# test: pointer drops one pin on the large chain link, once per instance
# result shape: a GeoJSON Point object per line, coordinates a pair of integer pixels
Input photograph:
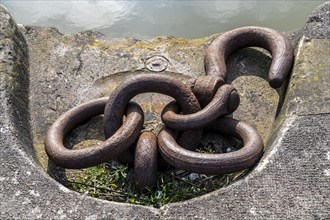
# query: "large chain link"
{"type": "Point", "coordinates": [199, 104]}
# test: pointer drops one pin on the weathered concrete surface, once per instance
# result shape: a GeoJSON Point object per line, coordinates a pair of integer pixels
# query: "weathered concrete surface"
{"type": "Point", "coordinates": [317, 25]}
{"type": "Point", "coordinates": [308, 92]}
{"type": "Point", "coordinates": [290, 182]}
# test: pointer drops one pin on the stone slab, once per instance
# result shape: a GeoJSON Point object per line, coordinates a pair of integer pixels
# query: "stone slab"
{"type": "Point", "coordinates": [309, 90]}
{"type": "Point", "coordinates": [318, 23]}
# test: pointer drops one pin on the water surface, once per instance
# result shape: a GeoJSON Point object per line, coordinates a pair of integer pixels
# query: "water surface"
{"type": "Point", "coordinates": [147, 19]}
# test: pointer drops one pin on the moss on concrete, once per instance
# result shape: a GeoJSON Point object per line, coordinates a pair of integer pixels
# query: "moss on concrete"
{"type": "Point", "coordinates": [309, 91]}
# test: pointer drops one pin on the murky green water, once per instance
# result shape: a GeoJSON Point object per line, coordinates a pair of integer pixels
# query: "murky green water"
{"type": "Point", "coordinates": [147, 19]}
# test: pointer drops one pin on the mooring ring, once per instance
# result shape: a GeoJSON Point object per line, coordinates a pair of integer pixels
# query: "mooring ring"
{"type": "Point", "coordinates": [224, 102]}
{"type": "Point", "coordinates": [120, 141]}
{"type": "Point", "coordinates": [147, 82]}
{"type": "Point", "coordinates": [214, 164]}
{"type": "Point", "coordinates": [146, 161]}
{"type": "Point", "coordinates": [273, 41]}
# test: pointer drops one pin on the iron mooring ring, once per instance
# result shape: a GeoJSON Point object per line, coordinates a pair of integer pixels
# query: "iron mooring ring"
{"type": "Point", "coordinates": [224, 102]}
{"type": "Point", "coordinates": [146, 161]}
{"type": "Point", "coordinates": [120, 141]}
{"type": "Point", "coordinates": [273, 41]}
{"type": "Point", "coordinates": [215, 164]}
{"type": "Point", "coordinates": [160, 83]}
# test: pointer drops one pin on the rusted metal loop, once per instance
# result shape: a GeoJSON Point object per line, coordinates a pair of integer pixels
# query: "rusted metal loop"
{"type": "Point", "coordinates": [276, 43]}
{"type": "Point", "coordinates": [160, 83]}
{"type": "Point", "coordinates": [205, 87]}
{"type": "Point", "coordinates": [224, 102]}
{"type": "Point", "coordinates": [120, 141]}
{"type": "Point", "coordinates": [215, 164]}
{"type": "Point", "coordinates": [145, 161]}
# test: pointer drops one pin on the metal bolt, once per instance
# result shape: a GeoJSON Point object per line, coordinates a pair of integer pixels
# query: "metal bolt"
{"type": "Point", "coordinates": [156, 63]}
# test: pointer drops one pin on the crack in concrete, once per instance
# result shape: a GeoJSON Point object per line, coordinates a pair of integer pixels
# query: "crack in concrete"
{"type": "Point", "coordinates": [78, 57]}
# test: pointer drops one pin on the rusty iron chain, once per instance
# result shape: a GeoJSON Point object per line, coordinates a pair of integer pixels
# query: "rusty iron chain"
{"type": "Point", "coordinates": [200, 104]}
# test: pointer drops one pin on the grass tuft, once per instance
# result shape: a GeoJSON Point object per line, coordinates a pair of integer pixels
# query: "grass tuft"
{"type": "Point", "coordinates": [114, 181]}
